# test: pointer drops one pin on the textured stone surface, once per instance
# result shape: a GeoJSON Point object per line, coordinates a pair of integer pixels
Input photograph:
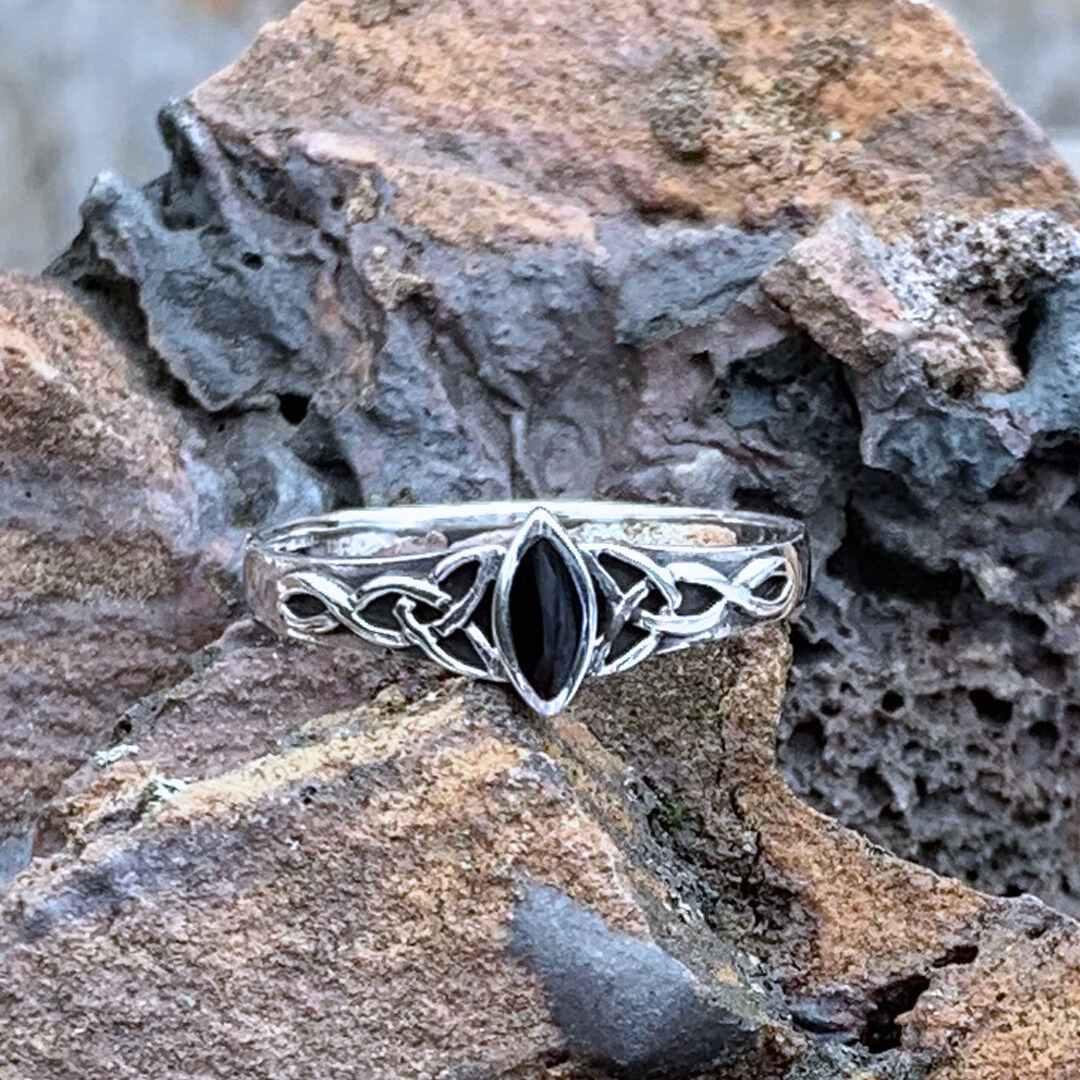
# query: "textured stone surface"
{"type": "Point", "coordinates": [112, 571]}
{"type": "Point", "coordinates": [806, 259]}
{"type": "Point", "coordinates": [780, 259]}
{"type": "Point", "coordinates": [629, 891]}
{"type": "Point", "coordinates": [83, 82]}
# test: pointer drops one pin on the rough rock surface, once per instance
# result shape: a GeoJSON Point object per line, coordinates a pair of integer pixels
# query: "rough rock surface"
{"type": "Point", "coordinates": [436, 884]}
{"type": "Point", "coordinates": [786, 258]}
{"type": "Point", "coordinates": [112, 577]}
{"type": "Point", "coordinates": [803, 257]}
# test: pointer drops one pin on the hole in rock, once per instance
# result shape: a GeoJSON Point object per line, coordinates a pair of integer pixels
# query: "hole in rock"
{"type": "Point", "coordinates": [294, 407]}
{"type": "Point", "coordinates": [807, 741]}
{"type": "Point", "coordinates": [929, 850]}
{"type": "Point", "coordinates": [958, 954]}
{"type": "Point", "coordinates": [181, 396]}
{"type": "Point", "coordinates": [807, 651]}
{"type": "Point", "coordinates": [874, 788]}
{"type": "Point", "coordinates": [759, 501]}
{"type": "Point", "coordinates": [881, 1032]}
{"type": "Point", "coordinates": [1043, 736]}
{"type": "Point", "coordinates": [991, 708]}
{"type": "Point", "coordinates": [252, 260]}
{"type": "Point", "coordinates": [1023, 333]}
{"type": "Point", "coordinates": [867, 567]}
{"type": "Point", "coordinates": [891, 701]}
{"type": "Point", "coordinates": [1046, 666]}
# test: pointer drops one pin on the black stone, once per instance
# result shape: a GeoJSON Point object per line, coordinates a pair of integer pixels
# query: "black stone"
{"type": "Point", "coordinates": [546, 618]}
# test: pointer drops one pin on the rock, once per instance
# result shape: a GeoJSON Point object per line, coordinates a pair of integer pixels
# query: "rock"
{"type": "Point", "coordinates": [415, 251]}
{"type": "Point", "coordinates": [798, 262]}
{"type": "Point", "coordinates": [631, 890]}
{"type": "Point", "coordinates": [949, 300]}
{"type": "Point", "coordinates": [111, 575]}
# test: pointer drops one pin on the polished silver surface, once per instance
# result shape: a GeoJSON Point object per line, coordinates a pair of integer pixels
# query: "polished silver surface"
{"type": "Point", "coordinates": [643, 580]}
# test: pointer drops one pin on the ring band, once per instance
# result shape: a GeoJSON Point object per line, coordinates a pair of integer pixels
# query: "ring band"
{"type": "Point", "coordinates": [539, 595]}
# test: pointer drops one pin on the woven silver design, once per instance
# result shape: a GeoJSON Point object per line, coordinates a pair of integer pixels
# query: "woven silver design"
{"type": "Point", "coordinates": [629, 603]}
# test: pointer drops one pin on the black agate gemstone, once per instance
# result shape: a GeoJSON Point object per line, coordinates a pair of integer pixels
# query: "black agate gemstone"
{"type": "Point", "coordinates": [546, 618]}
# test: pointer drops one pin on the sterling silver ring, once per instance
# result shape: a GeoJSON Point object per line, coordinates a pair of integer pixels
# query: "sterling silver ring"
{"type": "Point", "coordinates": [537, 595]}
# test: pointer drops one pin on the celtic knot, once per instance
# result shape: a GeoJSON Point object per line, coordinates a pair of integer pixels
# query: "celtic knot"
{"type": "Point", "coordinates": [668, 616]}
{"type": "Point", "coordinates": [642, 606]}
{"type": "Point", "coordinates": [407, 597]}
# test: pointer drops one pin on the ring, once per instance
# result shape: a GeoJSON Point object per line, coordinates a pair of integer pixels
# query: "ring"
{"type": "Point", "coordinates": [537, 595]}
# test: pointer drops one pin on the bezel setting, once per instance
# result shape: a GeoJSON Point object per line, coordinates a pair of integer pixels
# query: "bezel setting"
{"type": "Point", "coordinates": [541, 526]}
{"type": "Point", "coordinates": [615, 584]}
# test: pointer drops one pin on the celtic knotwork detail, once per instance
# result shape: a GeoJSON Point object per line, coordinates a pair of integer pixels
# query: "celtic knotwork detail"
{"type": "Point", "coordinates": [667, 625]}
{"type": "Point", "coordinates": [407, 597]}
{"type": "Point", "coordinates": [543, 611]}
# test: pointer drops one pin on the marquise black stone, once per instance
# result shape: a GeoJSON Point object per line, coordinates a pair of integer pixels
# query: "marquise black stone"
{"type": "Point", "coordinates": [546, 618]}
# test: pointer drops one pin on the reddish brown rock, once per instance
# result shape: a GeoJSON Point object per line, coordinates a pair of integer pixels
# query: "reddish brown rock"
{"type": "Point", "coordinates": [447, 887]}
{"type": "Point", "coordinates": [417, 250]}
{"type": "Point", "coordinates": [109, 579]}
{"type": "Point", "coordinates": [945, 302]}
{"type": "Point", "coordinates": [726, 112]}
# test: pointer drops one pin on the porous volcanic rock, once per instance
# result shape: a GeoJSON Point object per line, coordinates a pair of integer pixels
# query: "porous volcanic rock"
{"type": "Point", "coordinates": [437, 884]}
{"type": "Point", "coordinates": [800, 256]}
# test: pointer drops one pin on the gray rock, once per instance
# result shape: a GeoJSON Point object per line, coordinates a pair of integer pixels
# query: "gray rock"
{"type": "Point", "coordinates": [623, 1003]}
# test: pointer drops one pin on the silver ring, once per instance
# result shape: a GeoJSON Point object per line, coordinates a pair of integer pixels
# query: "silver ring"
{"type": "Point", "coordinates": [537, 595]}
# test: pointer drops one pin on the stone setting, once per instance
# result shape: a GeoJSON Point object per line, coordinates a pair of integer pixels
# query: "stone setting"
{"type": "Point", "coordinates": [545, 618]}
{"type": "Point", "coordinates": [545, 614]}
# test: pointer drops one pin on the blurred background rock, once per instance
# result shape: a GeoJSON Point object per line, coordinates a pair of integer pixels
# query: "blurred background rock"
{"type": "Point", "coordinates": [81, 82]}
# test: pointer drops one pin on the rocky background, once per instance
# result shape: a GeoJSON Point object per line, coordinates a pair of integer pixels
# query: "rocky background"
{"type": "Point", "coordinates": [806, 259]}
{"type": "Point", "coordinates": [83, 79]}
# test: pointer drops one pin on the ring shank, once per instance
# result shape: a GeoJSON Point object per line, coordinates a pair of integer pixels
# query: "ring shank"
{"type": "Point", "coordinates": [641, 580]}
{"type": "Point", "coordinates": [366, 534]}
